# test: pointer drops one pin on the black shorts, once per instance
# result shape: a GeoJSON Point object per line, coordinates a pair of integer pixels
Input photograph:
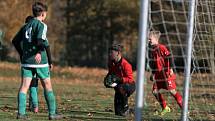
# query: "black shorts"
{"type": "Point", "coordinates": [127, 89]}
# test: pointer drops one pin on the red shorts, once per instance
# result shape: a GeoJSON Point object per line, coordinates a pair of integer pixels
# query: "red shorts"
{"type": "Point", "coordinates": [167, 84]}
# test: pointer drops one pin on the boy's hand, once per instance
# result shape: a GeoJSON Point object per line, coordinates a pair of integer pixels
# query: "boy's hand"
{"type": "Point", "coordinates": [171, 72]}
{"type": "Point", "coordinates": [38, 58]}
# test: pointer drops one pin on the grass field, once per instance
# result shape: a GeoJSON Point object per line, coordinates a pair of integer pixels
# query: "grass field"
{"type": "Point", "coordinates": [81, 96]}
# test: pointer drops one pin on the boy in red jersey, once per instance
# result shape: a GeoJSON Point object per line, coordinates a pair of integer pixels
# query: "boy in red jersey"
{"type": "Point", "coordinates": [163, 76]}
{"type": "Point", "coordinates": [125, 84]}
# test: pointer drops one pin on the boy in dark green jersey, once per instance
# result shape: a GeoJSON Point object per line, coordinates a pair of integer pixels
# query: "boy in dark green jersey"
{"type": "Point", "coordinates": [33, 90]}
{"type": "Point", "coordinates": [33, 48]}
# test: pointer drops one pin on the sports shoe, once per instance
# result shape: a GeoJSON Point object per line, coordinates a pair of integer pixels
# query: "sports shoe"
{"type": "Point", "coordinates": [126, 113]}
{"type": "Point", "coordinates": [55, 117]}
{"type": "Point", "coordinates": [165, 110]}
{"type": "Point", "coordinates": [157, 112]}
{"type": "Point", "coordinates": [35, 110]}
{"type": "Point", "coordinates": [22, 117]}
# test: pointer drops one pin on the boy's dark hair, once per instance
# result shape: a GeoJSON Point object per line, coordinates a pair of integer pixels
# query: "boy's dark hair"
{"type": "Point", "coordinates": [38, 8]}
{"type": "Point", "coordinates": [116, 47]}
{"type": "Point", "coordinates": [28, 18]}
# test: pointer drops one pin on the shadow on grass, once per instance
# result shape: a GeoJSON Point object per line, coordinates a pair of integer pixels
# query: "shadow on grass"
{"type": "Point", "coordinates": [173, 119]}
{"type": "Point", "coordinates": [93, 115]}
{"type": "Point", "coordinates": [97, 118]}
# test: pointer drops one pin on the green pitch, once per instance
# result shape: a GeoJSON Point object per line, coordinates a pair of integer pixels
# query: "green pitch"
{"type": "Point", "coordinates": [81, 96]}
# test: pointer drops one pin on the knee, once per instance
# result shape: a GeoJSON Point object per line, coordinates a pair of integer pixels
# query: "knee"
{"type": "Point", "coordinates": [121, 90]}
{"type": "Point", "coordinates": [126, 89]}
{"type": "Point", "coordinates": [24, 89]}
{"type": "Point", "coordinates": [173, 92]}
{"type": "Point", "coordinates": [47, 85]}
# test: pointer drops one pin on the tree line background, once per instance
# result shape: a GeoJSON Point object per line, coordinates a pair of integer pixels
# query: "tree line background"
{"type": "Point", "coordinates": [81, 31]}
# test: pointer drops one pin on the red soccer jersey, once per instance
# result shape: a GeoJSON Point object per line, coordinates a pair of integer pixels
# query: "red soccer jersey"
{"type": "Point", "coordinates": [159, 55]}
{"type": "Point", "coordinates": [122, 69]}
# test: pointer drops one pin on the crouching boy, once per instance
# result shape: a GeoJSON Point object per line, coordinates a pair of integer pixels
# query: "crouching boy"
{"type": "Point", "coordinates": [119, 77]}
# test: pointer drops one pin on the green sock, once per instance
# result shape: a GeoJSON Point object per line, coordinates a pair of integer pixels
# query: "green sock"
{"type": "Point", "coordinates": [46, 98]}
{"type": "Point", "coordinates": [33, 97]}
{"type": "Point", "coordinates": [21, 103]}
{"type": "Point", "coordinates": [50, 100]}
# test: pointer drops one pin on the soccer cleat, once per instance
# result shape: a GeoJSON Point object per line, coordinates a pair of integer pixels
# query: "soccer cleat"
{"type": "Point", "coordinates": [156, 112]}
{"type": "Point", "coordinates": [165, 110]}
{"type": "Point", "coordinates": [55, 117]}
{"type": "Point", "coordinates": [34, 110]}
{"type": "Point", "coordinates": [125, 114]}
{"type": "Point", "coordinates": [22, 117]}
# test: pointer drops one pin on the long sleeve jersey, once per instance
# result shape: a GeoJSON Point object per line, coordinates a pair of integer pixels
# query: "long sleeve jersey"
{"type": "Point", "coordinates": [122, 69]}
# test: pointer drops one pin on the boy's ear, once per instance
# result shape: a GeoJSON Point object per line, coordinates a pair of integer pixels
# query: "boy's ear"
{"type": "Point", "coordinates": [119, 52]}
{"type": "Point", "coordinates": [42, 14]}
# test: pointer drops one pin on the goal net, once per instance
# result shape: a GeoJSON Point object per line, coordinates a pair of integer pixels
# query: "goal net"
{"type": "Point", "coordinates": [171, 18]}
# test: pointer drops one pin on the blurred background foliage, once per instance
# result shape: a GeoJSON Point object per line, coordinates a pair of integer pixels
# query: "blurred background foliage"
{"type": "Point", "coordinates": [81, 31]}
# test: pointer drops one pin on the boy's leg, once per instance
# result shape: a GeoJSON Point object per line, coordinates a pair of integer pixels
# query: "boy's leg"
{"type": "Point", "coordinates": [22, 96]}
{"type": "Point", "coordinates": [26, 81]}
{"type": "Point", "coordinates": [160, 99]}
{"type": "Point", "coordinates": [117, 103]}
{"type": "Point", "coordinates": [120, 104]}
{"type": "Point", "coordinates": [33, 99]}
{"type": "Point", "coordinates": [44, 74]}
{"type": "Point", "coordinates": [158, 96]}
{"type": "Point", "coordinates": [174, 93]}
{"type": "Point", "coordinates": [129, 90]}
{"type": "Point", "coordinates": [50, 100]}
{"type": "Point", "coordinates": [124, 91]}
{"type": "Point", "coordinates": [125, 106]}
{"type": "Point", "coordinates": [49, 95]}
{"type": "Point", "coordinates": [177, 97]}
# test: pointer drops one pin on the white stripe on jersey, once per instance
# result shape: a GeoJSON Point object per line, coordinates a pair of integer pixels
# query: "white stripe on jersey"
{"type": "Point", "coordinates": [44, 31]}
{"type": "Point", "coordinates": [35, 65]}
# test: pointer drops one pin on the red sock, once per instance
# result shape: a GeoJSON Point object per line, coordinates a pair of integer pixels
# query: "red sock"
{"type": "Point", "coordinates": [161, 100]}
{"type": "Point", "coordinates": [178, 98]}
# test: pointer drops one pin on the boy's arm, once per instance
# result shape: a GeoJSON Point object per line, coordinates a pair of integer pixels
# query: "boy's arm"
{"type": "Point", "coordinates": [16, 43]}
{"type": "Point", "coordinates": [41, 45]}
{"type": "Point", "coordinates": [48, 51]}
{"type": "Point", "coordinates": [171, 61]}
{"type": "Point", "coordinates": [128, 74]}
{"type": "Point", "coordinates": [41, 39]}
{"type": "Point", "coordinates": [151, 62]}
{"type": "Point", "coordinates": [171, 64]}
{"type": "Point", "coordinates": [168, 58]}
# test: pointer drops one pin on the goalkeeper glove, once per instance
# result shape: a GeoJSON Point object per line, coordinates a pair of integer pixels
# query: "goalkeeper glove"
{"type": "Point", "coordinates": [117, 79]}
{"type": "Point", "coordinates": [111, 81]}
{"type": "Point", "coordinates": [113, 85]}
{"type": "Point", "coordinates": [108, 81]}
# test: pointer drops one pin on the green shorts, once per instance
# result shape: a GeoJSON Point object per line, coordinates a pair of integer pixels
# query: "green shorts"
{"type": "Point", "coordinates": [41, 73]}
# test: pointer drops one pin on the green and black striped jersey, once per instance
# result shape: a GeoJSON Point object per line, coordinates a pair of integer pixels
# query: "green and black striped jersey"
{"type": "Point", "coordinates": [27, 38]}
